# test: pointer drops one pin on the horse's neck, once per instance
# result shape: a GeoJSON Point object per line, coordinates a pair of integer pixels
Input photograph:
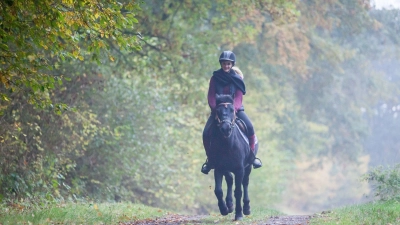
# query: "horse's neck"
{"type": "Point", "coordinates": [230, 141]}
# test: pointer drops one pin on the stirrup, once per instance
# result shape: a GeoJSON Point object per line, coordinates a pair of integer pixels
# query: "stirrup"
{"type": "Point", "coordinates": [255, 163]}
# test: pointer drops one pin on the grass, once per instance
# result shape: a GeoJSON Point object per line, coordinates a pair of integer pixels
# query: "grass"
{"type": "Point", "coordinates": [77, 213]}
{"type": "Point", "coordinates": [385, 213]}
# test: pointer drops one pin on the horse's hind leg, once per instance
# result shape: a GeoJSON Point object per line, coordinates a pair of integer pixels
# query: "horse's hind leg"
{"type": "Point", "coordinates": [246, 199]}
{"type": "Point", "coordinates": [219, 193]}
{"type": "Point", "coordinates": [229, 198]}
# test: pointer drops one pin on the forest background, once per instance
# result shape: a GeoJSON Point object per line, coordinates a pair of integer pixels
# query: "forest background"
{"type": "Point", "coordinates": [106, 101]}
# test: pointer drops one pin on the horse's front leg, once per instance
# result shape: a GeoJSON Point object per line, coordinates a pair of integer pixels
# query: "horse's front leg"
{"type": "Point", "coordinates": [246, 199]}
{"type": "Point", "coordinates": [219, 193]}
{"type": "Point", "coordinates": [238, 193]}
{"type": "Point", "coordinates": [229, 184]}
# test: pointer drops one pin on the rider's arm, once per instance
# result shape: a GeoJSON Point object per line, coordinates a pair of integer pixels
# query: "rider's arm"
{"type": "Point", "coordinates": [212, 102]}
{"type": "Point", "coordinates": [238, 99]}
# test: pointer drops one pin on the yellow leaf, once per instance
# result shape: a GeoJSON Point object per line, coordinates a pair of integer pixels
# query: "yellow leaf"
{"type": "Point", "coordinates": [95, 207]}
{"type": "Point", "coordinates": [31, 58]}
{"type": "Point", "coordinates": [43, 45]}
{"type": "Point", "coordinates": [68, 31]}
{"type": "Point", "coordinates": [4, 81]}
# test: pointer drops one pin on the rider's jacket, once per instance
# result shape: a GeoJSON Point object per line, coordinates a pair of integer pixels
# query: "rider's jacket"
{"type": "Point", "coordinates": [226, 83]}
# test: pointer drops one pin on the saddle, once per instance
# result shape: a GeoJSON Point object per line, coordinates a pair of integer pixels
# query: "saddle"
{"type": "Point", "coordinates": [243, 129]}
{"type": "Point", "coordinates": [244, 132]}
{"type": "Point", "coordinates": [242, 126]}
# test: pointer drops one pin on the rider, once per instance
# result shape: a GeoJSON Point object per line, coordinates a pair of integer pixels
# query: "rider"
{"type": "Point", "coordinates": [227, 81]}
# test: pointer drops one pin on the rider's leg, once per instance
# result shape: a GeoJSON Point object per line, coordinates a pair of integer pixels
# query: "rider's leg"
{"type": "Point", "coordinates": [208, 165]}
{"type": "Point", "coordinates": [251, 135]}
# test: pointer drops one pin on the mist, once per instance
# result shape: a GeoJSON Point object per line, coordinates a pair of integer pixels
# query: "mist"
{"type": "Point", "coordinates": [117, 115]}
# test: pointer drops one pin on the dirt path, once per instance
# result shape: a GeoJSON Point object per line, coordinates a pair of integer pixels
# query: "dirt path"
{"type": "Point", "coordinates": [170, 220]}
{"type": "Point", "coordinates": [289, 220]}
{"type": "Point", "coordinates": [199, 219]}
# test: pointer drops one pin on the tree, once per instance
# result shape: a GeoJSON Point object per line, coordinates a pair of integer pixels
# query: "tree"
{"type": "Point", "coordinates": [37, 36]}
{"type": "Point", "coordinates": [38, 40]}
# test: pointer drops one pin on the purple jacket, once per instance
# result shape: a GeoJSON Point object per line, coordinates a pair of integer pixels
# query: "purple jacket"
{"type": "Point", "coordinates": [212, 90]}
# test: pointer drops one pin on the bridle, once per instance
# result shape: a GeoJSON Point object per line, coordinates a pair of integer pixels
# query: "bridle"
{"type": "Point", "coordinates": [231, 123]}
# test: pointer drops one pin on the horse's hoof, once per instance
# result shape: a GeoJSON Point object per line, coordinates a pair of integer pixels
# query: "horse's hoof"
{"type": "Point", "coordinates": [230, 208]}
{"type": "Point", "coordinates": [238, 218]}
{"type": "Point", "coordinates": [223, 209]}
{"type": "Point", "coordinates": [225, 212]}
{"type": "Point", "coordinates": [246, 210]}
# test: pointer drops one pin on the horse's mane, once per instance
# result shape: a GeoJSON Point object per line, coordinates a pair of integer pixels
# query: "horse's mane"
{"type": "Point", "coordinates": [223, 98]}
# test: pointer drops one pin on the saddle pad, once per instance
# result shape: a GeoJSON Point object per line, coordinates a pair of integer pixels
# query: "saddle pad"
{"type": "Point", "coordinates": [244, 136]}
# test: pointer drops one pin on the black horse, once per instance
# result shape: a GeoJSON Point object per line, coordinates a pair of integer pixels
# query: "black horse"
{"type": "Point", "coordinates": [231, 154]}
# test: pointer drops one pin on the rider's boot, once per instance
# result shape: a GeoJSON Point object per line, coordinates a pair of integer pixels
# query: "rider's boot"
{"type": "Point", "coordinates": [206, 167]}
{"type": "Point", "coordinates": [256, 162]}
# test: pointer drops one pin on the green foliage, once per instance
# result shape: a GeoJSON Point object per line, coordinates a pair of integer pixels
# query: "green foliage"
{"type": "Point", "coordinates": [36, 158]}
{"type": "Point", "coordinates": [385, 182]}
{"type": "Point", "coordinates": [37, 37]}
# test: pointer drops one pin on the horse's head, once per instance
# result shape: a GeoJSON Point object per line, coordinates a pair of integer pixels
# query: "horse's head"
{"type": "Point", "coordinates": [225, 114]}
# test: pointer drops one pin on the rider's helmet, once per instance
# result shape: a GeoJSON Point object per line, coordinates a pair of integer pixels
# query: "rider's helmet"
{"type": "Point", "coordinates": [227, 56]}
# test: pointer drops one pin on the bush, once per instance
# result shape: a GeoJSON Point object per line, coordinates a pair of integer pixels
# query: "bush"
{"type": "Point", "coordinates": [385, 182]}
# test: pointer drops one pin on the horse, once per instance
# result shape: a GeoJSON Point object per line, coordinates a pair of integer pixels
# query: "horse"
{"type": "Point", "coordinates": [232, 155]}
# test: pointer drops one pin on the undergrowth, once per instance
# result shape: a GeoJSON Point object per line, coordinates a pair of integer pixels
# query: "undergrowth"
{"type": "Point", "coordinates": [75, 213]}
{"type": "Point", "coordinates": [375, 213]}
{"type": "Point", "coordinates": [385, 182]}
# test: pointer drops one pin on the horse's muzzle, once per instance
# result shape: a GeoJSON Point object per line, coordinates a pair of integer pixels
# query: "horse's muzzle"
{"type": "Point", "coordinates": [226, 128]}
